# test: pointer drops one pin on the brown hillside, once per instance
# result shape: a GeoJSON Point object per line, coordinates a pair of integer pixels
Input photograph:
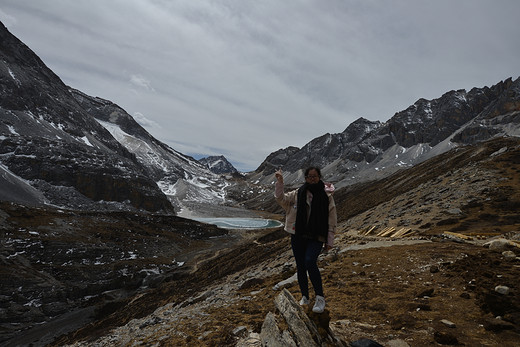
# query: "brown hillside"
{"type": "Point", "coordinates": [482, 181]}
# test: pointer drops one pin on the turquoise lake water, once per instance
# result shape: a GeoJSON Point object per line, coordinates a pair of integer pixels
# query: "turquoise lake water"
{"type": "Point", "coordinates": [241, 223]}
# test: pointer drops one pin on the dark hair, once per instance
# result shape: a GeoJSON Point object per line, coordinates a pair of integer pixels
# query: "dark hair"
{"type": "Point", "coordinates": [313, 168]}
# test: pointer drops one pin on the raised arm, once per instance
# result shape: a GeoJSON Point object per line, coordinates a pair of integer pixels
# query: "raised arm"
{"type": "Point", "coordinates": [286, 200]}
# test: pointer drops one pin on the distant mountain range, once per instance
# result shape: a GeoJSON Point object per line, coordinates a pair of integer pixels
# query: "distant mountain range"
{"type": "Point", "coordinates": [62, 147]}
{"type": "Point", "coordinates": [368, 150]}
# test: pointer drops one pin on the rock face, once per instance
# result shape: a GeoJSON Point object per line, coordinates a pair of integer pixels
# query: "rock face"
{"type": "Point", "coordinates": [61, 146]}
{"type": "Point", "coordinates": [79, 151]}
{"type": "Point", "coordinates": [369, 150]}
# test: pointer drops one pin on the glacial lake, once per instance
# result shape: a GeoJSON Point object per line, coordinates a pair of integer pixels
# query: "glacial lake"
{"type": "Point", "coordinates": [241, 223]}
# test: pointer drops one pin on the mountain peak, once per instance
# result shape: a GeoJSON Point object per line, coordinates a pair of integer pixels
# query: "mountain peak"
{"type": "Point", "coordinates": [359, 128]}
{"type": "Point", "coordinates": [218, 164]}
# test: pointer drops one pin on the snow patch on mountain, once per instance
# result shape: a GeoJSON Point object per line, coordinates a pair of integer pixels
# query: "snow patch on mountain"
{"type": "Point", "coordinates": [87, 142]}
{"type": "Point", "coordinates": [12, 130]}
{"type": "Point", "coordinates": [144, 152]}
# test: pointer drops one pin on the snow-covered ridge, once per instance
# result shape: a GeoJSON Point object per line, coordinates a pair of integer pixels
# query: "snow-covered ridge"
{"type": "Point", "coordinates": [192, 183]}
{"type": "Point", "coordinates": [140, 148]}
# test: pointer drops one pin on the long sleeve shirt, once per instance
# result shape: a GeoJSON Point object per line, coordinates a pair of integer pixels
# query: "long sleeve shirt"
{"type": "Point", "coordinates": [288, 201]}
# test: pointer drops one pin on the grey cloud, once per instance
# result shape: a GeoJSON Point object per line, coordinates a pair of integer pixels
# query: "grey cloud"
{"type": "Point", "coordinates": [245, 78]}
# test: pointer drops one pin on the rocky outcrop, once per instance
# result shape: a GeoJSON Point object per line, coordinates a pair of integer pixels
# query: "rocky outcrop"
{"type": "Point", "coordinates": [502, 113]}
{"type": "Point", "coordinates": [159, 161]}
{"type": "Point", "coordinates": [276, 160]}
{"type": "Point", "coordinates": [303, 330]}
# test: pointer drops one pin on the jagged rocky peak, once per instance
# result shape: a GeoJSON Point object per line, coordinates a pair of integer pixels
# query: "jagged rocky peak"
{"type": "Point", "coordinates": [218, 164]}
{"type": "Point", "coordinates": [320, 151]}
{"type": "Point", "coordinates": [508, 102]}
{"type": "Point", "coordinates": [276, 160]}
{"type": "Point", "coordinates": [500, 118]}
{"type": "Point", "coordinates": [109, 112]}
{"type": "Point", "coordinates": [158, 159]}
{"type": "Point", "coordinates": [358, 129]}
{"type": "Point", "coordinates": [432, 121]}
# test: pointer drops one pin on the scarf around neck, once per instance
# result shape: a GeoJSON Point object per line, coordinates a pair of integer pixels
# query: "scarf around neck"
{"type": "Point", "coordinates": [317, 222]}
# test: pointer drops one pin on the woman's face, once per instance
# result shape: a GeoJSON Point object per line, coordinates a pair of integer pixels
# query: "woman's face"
{"type": "Point", "coordinates": [312, 177]}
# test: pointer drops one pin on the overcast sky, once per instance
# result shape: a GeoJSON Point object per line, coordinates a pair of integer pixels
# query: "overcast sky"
{"type": "Point", "coordinates": [245, 78]}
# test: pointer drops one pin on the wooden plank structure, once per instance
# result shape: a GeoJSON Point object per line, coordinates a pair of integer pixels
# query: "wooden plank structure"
{"type": "Point", "coordinates": [401, 232]}
{"type": "Point", "coordinates": [369, 231]}
{"type": "Point", "coordinates": [388, 232]}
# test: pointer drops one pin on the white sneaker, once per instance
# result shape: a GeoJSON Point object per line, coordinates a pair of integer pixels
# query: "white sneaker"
{"type": "Point", "coordinates": [304, 301]}
{"type": "Point", "coordinates": [319, 305]}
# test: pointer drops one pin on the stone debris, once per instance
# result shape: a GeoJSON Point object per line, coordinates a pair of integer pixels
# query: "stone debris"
{"type": "Point", "coordinates": [502, 244]}
{"type": "Point", "coordinates": [397, 343]}
{"type": "Point", "coordinates": [281, 327]}
{"type": "Point", "coordinates": [509, 254]}
{"type": "Point", "coordinates": [497, 324]}
{"type": "Point", "coordinates": [448, 323]}
{"type": "Point", "coordinates": [253, 340]}
{"type": "Point", "coordinates": [453, 235]}
{"type": "Point", "coordinates": [445, 338]}
{"type": "Point", "coordinates": [286, 283]}
{"type": "Point", "coordinates": [502, 290]}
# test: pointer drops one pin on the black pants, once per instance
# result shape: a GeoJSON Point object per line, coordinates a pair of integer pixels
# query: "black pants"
{"type": "Point", "coordinates": [306, 254]}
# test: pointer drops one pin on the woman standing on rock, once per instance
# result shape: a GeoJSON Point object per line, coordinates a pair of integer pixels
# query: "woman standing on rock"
{"type": "Point", "coordinates": [311, 221]}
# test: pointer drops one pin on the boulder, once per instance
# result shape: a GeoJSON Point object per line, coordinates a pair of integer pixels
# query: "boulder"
{"type": "Point", "coordinates": [301, 329]}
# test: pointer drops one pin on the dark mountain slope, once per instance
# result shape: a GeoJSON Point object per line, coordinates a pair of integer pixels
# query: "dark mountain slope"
{"type": "Point", "coordinates": [157, 159]}
{"type": "Point", "coordinates": [49, 140]}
